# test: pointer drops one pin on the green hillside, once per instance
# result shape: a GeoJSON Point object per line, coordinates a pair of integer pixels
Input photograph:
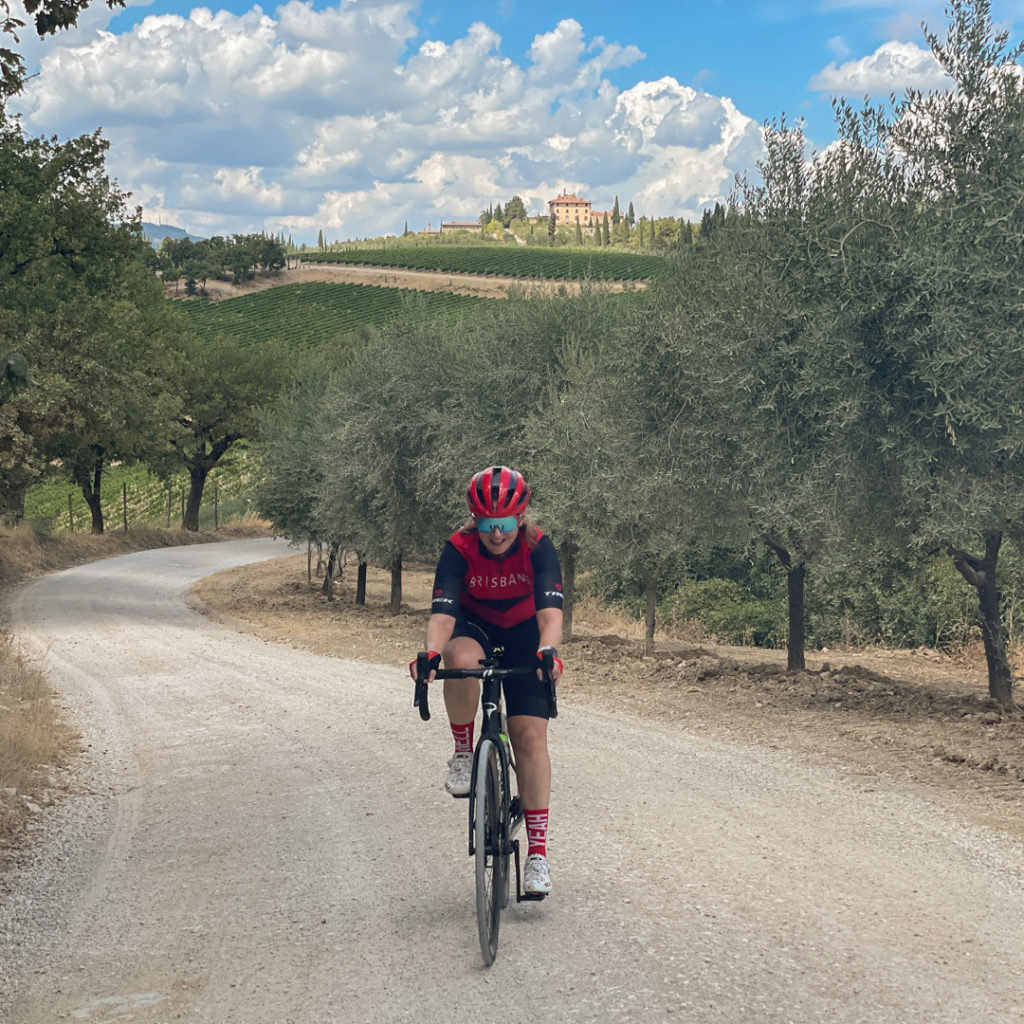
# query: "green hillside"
{"type": "Point", "coordinates": [505, 261]}
{"type": "Point", "coordinates": [316, 313]}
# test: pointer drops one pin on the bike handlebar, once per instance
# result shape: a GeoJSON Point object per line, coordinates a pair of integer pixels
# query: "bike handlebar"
{"type": "Point", "coordinates": [484, 669]}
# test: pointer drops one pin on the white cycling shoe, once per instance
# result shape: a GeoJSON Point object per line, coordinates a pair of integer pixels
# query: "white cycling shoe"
{"type": "Point", "coordinates": [536, 875]}
{"type": "Point", "coordinates": [460, 773]}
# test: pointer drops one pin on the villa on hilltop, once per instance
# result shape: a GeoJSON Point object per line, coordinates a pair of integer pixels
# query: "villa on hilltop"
{"type": "Point", "coordinates": [570, 208]}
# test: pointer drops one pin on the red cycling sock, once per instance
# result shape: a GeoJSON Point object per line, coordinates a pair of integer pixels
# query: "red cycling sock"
{"type": "Point", "coordinates": [463, 735]}
{"type": "Point", "coordinates": [536, 831]}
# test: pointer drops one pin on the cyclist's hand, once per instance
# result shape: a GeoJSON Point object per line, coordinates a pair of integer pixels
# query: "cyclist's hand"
{"type": "Point", "coordinates": [556, 668]}
{"type": "Point", "coordinates": [423, 667]}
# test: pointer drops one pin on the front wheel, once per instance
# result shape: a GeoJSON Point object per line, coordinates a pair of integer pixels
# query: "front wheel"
{"type": "Point", "coordinates": [489, 841]}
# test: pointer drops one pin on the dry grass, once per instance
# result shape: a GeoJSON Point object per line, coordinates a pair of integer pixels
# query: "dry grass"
{"type": "Point", "coordinates": [591, 617]}
{"type": "Point", "coordinates": [36, 741]}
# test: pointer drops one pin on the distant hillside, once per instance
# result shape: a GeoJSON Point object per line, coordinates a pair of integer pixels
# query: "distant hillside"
{"type": "Point", "coordinates": [156, 233]}
{"type": "Point", "coordinates": [317, 312]}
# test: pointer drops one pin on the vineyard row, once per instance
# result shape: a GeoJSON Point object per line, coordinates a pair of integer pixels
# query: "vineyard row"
{"type": "Point", "coordinates": [547, 264]}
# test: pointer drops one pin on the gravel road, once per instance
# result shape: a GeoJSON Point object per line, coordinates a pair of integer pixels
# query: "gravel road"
{"type": "Point", "coordinates": [261, 837]}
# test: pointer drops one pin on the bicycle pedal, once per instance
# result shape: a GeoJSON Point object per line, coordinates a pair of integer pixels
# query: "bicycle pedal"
{"type": "Point", "coordinates": [531, 897]}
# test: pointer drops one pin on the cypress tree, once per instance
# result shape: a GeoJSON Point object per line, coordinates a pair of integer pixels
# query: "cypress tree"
{"type": "Point", "coordinates": [606, 238]}
{"type": "Point", "coordinates": [707, 228]}
{"type": "Point", "coordinates": [616, 216]}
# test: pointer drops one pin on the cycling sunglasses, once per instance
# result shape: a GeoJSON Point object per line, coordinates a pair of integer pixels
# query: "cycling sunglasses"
{"type": "Point", "coordinates": [506, 524]}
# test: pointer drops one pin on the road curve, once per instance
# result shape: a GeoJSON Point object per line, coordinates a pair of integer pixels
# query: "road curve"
{"type": "Point", "coordinates": [262, 838]}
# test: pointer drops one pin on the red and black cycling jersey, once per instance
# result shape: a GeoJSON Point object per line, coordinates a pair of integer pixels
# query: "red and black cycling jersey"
{"type": "Point", "coordinates": [501, 591]}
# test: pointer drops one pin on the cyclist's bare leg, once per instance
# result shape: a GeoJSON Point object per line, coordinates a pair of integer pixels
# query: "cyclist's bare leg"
{"type": "Point", "coordinates": [462, 696]}
{"type": "Point", "coordinates": [529, 737]}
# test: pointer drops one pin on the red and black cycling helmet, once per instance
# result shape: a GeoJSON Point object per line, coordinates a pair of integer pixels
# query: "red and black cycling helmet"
{"type": "Point", "coordinates": [497, 492]}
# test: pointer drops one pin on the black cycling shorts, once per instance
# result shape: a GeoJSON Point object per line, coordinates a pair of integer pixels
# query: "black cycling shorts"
{"type": "Point", "coordinates": [515, 647]}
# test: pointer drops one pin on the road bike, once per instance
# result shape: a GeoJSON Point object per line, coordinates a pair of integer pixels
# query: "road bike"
{"type": "Point", "coordinates": [495, 813]}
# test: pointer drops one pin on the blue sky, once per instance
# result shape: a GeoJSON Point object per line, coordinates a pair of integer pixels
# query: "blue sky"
{"type": "Point", "coordinates": [357, 116]}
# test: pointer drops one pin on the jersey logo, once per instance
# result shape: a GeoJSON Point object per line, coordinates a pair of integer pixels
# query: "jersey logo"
{"type": "Point", "coordinates": [496, 582]}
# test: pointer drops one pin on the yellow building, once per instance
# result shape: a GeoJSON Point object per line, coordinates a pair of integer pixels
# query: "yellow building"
{"type": "Point", "coordinates": [568, 208]}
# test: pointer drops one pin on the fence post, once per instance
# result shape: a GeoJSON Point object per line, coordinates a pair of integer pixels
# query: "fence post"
{"type": "Point", "coordinates": [216, 505]}
{"type": "Point", "coordinates": [71, 515]}
{"type": "Point", "coordinates": [124, 503]}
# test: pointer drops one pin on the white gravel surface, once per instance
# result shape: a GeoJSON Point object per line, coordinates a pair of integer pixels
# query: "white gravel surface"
{"type": "Point", "coordinates": [261, 837]}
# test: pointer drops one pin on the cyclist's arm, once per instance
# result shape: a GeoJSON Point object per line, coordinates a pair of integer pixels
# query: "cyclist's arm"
{"type": "Point", "coordinates": [547, 594]}
{"type": "Point", "coordinates": [439, 631]}
{"type": "Point", "coordinates": [549, 620]}
{"type": "Point", "coordinates": [448, 583]}
{"type": "Point", "coordinates": [550, 623]}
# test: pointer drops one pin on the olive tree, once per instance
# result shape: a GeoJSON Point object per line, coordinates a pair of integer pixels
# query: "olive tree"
{"type": "Point", "coordinates": [761, 334]}
{"type": "Point", "coordinates": [956, 369]}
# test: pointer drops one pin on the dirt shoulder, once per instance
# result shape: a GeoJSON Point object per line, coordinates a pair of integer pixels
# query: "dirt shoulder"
{"type": "Point", "coordinates": [908, 718]}
{"type": "Point", "coordinates": [491, 287]}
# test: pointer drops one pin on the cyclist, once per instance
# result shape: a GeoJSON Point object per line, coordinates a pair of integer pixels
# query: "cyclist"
{"type": "Point", "coordinates": [498, 584]}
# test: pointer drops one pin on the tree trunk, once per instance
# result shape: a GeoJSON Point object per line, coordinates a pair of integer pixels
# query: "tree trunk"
{"type": "Point", "coordinates": [89, 484]}
{"type": "Point", "coordinates": [795, 646]}
{"type": "Point", "coordinates": [197, 483]}
{"type": "Point", "coordinates": [92, 499]}
{"type": "Point", "coordinates": [651, 594]}
{"type": "Point", "coordinates": [396, 584]}
{"type": "Point", "coordinates": [199, 462]}
{"type": "Point", "coordinates": [569, 550]}
{"type": "Point", "coordinates": [12, 505]}
{"type": "Point", "coordinates": [332, 558]}
{"type": "Point", "coordinates": [981, 574]}
{"type": "Point", "coordinates": [796, 576]}
{"type": "Point", "coordinates": [361, 582]}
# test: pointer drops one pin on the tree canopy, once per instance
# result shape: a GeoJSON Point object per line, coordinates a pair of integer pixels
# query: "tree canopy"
{"type": "Point", "coordinates": [833, 373]}
{"type": "Point", "coordinates": [84, 312]}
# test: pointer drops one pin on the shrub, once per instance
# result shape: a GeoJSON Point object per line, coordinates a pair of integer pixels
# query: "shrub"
{"type": "Point", "coordinates": [728, 612]}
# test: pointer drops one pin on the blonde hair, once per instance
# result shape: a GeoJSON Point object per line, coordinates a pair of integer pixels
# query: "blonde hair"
{"type": "Point", "coordinates": [528, 530]}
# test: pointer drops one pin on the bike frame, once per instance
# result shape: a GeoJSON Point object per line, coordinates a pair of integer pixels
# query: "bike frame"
{"type": "Point", "coordinates": [491, 676]}
{"type": "Point", "coordinates": [491, 729]}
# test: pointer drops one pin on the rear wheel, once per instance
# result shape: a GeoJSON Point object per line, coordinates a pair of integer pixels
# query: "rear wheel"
{"type": "Point", "coordinates": [489, 808]}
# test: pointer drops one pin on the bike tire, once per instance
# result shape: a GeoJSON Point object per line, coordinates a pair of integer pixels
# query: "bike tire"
{"type": "Point", "coordinates": [488, 841]}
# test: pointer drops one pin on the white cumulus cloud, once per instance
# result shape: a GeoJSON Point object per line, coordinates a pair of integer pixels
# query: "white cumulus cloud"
{"type": "Point", "coordinates": [353, 120]}
{"type": "Point", "coordinates": [893, 67]}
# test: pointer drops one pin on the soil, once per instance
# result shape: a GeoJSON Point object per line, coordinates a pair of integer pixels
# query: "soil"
{"type": "Point", "coordinates": [491, 287]}
{"type": "Point", "coordinates": [920, 718]}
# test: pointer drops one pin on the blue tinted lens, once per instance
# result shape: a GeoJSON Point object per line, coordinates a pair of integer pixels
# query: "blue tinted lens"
{"type": "Point", "coordinates": [506, 524]}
